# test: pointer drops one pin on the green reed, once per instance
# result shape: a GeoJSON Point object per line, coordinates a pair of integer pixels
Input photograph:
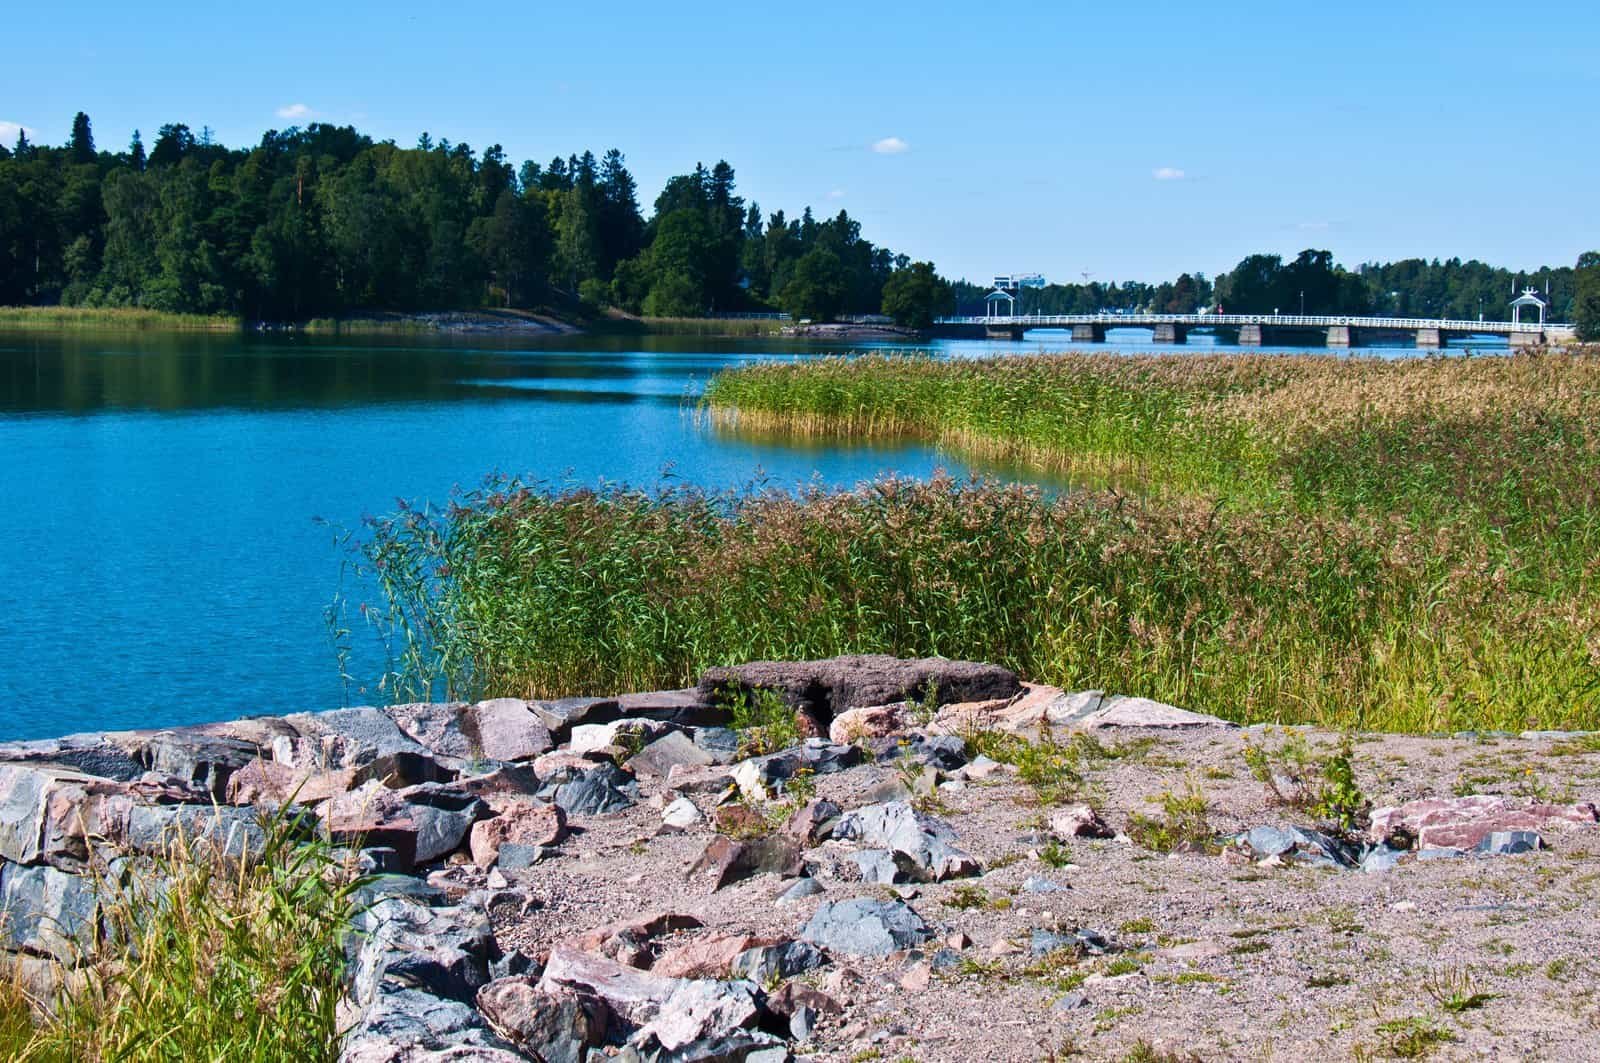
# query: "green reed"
{"type": "Point", "coordinates": [1266, 614]}
{"type": "Point", "coordinates": [129, 319]}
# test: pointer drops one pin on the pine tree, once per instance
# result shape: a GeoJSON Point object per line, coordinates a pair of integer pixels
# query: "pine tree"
{"type": "Point", "coordinates": [136, 151]}
{"type": "Point", "coordinates": [81, 144]}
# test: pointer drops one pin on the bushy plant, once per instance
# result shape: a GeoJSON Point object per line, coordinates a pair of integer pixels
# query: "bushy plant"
{"type": "Point", "coordinates": [205, 958]}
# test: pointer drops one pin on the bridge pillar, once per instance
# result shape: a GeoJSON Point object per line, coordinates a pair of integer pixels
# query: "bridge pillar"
{"type": "Point", "coordinates": [1526, 339]}
{"type": "Point", "coordinates": [1003, 332]}
{"type": "Point", "coordinates": [1251, 335]}
{"type": "Point", "coordinates": [1170, 334]}
{"type": "Point", "coordinates": [1088, 333]}
{"type": "Point", "coordinates": [1430, 338]}
{"type": "Point", "coordinates": [1341, 336]}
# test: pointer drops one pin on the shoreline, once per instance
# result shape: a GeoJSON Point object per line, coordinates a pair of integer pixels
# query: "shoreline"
{"type": "Point", "coordinates": [1109, 869]}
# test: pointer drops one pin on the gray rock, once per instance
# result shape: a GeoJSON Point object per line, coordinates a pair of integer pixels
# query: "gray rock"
{"type": "Point", "coordinates": [728, 861]}
{"type": "Point", "coordinates": [659, 757]}
{"type": "Point", "coordinates": [759, 775]}
{"type": "Point", "coordinates": [515, 856]}
{"type": "Point", "coordinates": [368, 739]}
{"type": "Point", "coordinates": [682, 814]}
{"type": "Point", "coordinates": [556, 1025]}
{"type": "Point", "coordinates": [1381, 858]}
{"type": "Point", "coordinates": [46, 911]}
{"type": "Point", "coordinates": [88, 754]}
{"type": "Point", "coordinates": [1070, 1002]}
{"type": "Point", "coordinates": [220, 830]}
{"type": "Point", "coordinates": [766, 962]}
{"type": "Point", "coordinates": [501, 729]}
{"type": "Point", "coordinates": [1509, 843]}
{"type": "Point", "coordinates": [561, 715]}
{"type": "Point", "coordinates": [684, 707]}
{"type": "Point", "coordinates": [1441, 853]}
{"type": "Point", "coordinates": [445, 952]}
{"type": "Point", "coordinates": [1083, 942]}
{"type": "Point", "coordinates": [1040, 884]}
{"type": "Point", "coordinates": [1298, 845]}
{"type": "Point", "coordinates": [605, 789]}
{"type": "Point", "coordinates": [721, 743]}
{"type": "Point", "coordinates": [806, 887]}
{"type": "Point", "coordinates": [877, 865]}
{"type": "Point", "coordinates": [944, 959]}
{"type": "Point", "coordinates": [402, 1025]}
{"type": "Point", "coordinates": [864, 926]}
{"type": "Point", "coordinates": [380, 886]}
{"type": "Point", "coordinates": [701, 1009]}
{"type": "Point", "coordinates": [204, 760]}
{"type": "Point", "coordinates": [924, 846]}
{"type": "Point", "coordinates": [802, 1021]}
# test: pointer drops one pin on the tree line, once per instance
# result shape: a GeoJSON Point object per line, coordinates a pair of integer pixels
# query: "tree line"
{"type": "Point", "coordinates": [1313, 283]}
{"type": "Point", "coordinates": [323, 220]}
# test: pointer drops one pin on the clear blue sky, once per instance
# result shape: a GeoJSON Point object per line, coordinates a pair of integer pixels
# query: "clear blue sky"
{"type": "Point", "coordinates": [1130, 140]}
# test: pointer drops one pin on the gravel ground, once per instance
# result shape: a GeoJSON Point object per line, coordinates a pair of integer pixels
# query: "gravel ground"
{"type": "Point", "coordinates": [1215, 957]}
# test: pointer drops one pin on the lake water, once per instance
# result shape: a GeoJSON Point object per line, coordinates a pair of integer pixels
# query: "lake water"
{"type": "Point", "coordinates": [169, 505]}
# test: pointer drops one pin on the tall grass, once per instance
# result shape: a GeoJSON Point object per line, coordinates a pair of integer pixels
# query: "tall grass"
{"type": "Point", "coordinates": [202, 959]}
{"type": "Point", "coordinates": [1388, 545]}
{"type": "Point", "coordinates": [127, 319]}
{"type": "Point", "coordinates": [1271, 615]}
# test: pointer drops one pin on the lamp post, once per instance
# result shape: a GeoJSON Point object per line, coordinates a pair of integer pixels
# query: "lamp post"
{"type": "Point", "coordinates": [1302, 302]}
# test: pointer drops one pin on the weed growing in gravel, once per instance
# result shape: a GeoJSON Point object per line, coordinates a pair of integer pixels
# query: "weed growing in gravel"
{"type": "Point", "coordinates": [1455, 990]}
{"type": "Point", "coordinates": [1055, 855]}
{"type": "Point", "coordinates": [1145, 1052]}
{"type": "Point", "coordinates": [1323, 785]}
{"type": "Point", "coordinates": [1051, 769]}
{"type": "Point", "coordinates": [1182, 827]}
{"type": "Point", "coordinates": [1414, 1037]}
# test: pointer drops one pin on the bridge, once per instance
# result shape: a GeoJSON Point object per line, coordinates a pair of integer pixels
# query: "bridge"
{"type": "Point", "coordinates": [1255, 330]}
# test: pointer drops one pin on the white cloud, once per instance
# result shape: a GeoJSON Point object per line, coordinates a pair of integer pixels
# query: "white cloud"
{"type": "Point", "coordinates": [9, 131]}
{"type": "Point", "coordinates": [890, 146]}
{"type": "Point", "coordinates": [1314, 226]}
{"type": "Point", "coordinates": [294, 111]}
{"type": "Point", "coordinates": [837, 193]}
{"type": "Point", "coordinates": [1168, 173]}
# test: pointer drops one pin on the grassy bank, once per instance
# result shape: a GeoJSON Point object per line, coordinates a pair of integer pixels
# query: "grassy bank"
{"type": "Point", "coordinates": [1403, 546]}
{"type": "Point", "coordinates": [224, 960]}
{"type": "Point", "coordinates": [126, 319]}
{"type": "Point", "coordinates": [711, 326]}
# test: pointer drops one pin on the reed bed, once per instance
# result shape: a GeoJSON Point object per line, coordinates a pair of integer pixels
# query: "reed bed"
{"type": "Point", "coordinates": [126, 319]}
{"type": "Point", "coordinates": [1271, 615]}
{"type": "Point", "coordinates": [1406, 546]}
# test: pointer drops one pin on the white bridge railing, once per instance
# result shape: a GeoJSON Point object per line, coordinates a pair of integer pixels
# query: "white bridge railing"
{"type": "Point", "coordinates": [1234, 320]}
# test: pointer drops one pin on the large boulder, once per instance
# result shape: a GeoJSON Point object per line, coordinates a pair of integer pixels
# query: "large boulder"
{"type": "Point", "coordinates": [824, 689]}
{"type": "Point", "coordinates": [865, 926]}
{"type": "Point", "coordinates": [367, 739]}
{"type": "Point", "coordinates": [502, 729]}
{"type": "Point", "coordinates": [47, 912]}
{"type": "Point", "coordinates": [924, 846]}
{"type": "Point", "coordinates": [556, 1025]}
{"type": "Point", "coordinates": [446, 952]}
{"type": "Point", "coordinates": [202, 759]}
{"type": "Point", "coordinates": [46, 810]}
{"type": "Point", "coordinates": [1464, 822]}
{"type": "Point", "coordinates": [423, 823]}
{"type": "Point", "coordinates": [518, 822]}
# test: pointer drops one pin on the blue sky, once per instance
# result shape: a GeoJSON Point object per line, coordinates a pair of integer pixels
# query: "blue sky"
{"type": "Point", "coordinates": [1129, 140]}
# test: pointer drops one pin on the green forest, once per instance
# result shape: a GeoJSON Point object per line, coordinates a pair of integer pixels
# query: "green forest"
{"type": "Point", "coordinates": [323, 221]}
{"type": "Point", "coordinates": [1312, 283]}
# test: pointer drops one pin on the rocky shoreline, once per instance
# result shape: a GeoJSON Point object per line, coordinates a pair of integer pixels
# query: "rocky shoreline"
{"type": "Point", "coordinates": [627, 878]}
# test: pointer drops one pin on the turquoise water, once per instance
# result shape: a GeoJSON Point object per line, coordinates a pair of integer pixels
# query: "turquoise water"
{"type": "Point", "coordinates": [170, 505]}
